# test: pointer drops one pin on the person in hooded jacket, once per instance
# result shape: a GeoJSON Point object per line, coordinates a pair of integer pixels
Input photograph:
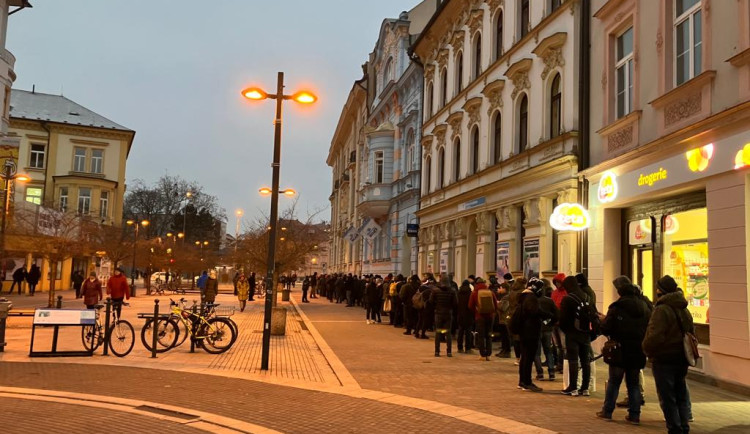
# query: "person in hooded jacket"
{"type": "Point", "coordinates": [118, 289]}
{"type": "Point", "coordinates": [424, 315]}
{"type": "Point", "coordinates": [444, 300]}
{"type": "Point", "coordinates": [529, 329]}
{"type": "Point", "coordinates": [626, 322]}
{"type": "Point", "coordinates": [583, 283]}
{"type": "Point", "coordinates": [465, 319]}
{"type": "Point", "coordinates": [577, 342]}
{"type": "Point", "coordinates": [483, 321]}
{"type": "Point", "coordinates": [558, 338]}
{"type": "Point", "coordinates": [372, 298]}
{"type": "Point", "coordinates": [91, 291]}
{"type": "Point", "coordinates": [212, 287]}
{"type": "Point", "coordinates": [551, 316]}
{"type": "Point", "coordinates": [407, 294]}
{"type": "Point", "coordinates": [663, 344]}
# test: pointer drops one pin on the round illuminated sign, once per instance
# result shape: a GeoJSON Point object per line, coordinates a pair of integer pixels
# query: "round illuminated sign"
{"type": "Point", "coordinates": [570, 217]}
{"type": "Point", "coordinates": [742, 159]}
{"type": "Point", "coordinates": [607, 188]}
{"type": "Point", "coordinates": [699, 158]}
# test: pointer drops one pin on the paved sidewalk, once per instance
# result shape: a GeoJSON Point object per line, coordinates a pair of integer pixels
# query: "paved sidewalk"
{"type": "Point", "coordinates": [381, 358]}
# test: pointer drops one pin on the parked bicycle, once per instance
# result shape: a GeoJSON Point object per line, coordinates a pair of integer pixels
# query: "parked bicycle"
{"type": "Point", "coordinates": [121, 333]}
{"type": "Point", "coordinates": [215, 334]}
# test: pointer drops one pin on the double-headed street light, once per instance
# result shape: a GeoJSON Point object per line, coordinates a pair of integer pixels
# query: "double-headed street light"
{"type": "Point", "coordinates": [174, 237]}
{"type": "Point", "coordinates": [201, 244]}
{"type": "Point", "coordinates": [136, 224]}
{"type": "Point", "coordinates": [303, 97]}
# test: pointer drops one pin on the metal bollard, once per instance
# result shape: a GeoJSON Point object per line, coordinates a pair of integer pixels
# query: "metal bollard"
{"type": "Point", "coordinates": [59, 301]}
{"type": "Point", "coordinates": [155, 328]}
{"type": "Point", "coordinates": [106, 326]}
{"type": "Point", "coordinates": [192, 341]}
{"type": "Point", "coordinates": [5, 306]}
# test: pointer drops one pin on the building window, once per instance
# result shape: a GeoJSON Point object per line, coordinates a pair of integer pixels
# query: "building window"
{"type": "Point", "coordinates": [554, 5]}
{"type": "Point", "coordinates": [624, 73]}
{"type": "Point", "coordinates": [457, 159]}
{"type": "Point", "coordinates": [523, 124]}
{"type": "Point", "coordinates": [104, 204]}
{"type": "Point", "coordinates": [427, 173]}
{"type": "Point", "coordinates": [84, 201]}
{"type": "Point", "coordinates": [499, 36]}
{"type": "Point", "coordinates": [387, 72]}
{"type": "Point", "coordinates": [443, 87]}
{"type": "Point", "coordinates": [687, 29]}
{"type": "Point", "coordinates": [379, 167]}
{"type": "Point", "coordinates": [459, 72]}
{"type": "Point", "coordinates": [36, 159]}
{"type": "Point", "coordinates": [79, 160]}
{"type": "Point", "coordinates": [63, 199]}
{"type": "Point", "coordinates": [34, 195]}
{"type": "Point", "coordinates": [430, 98]}
{"type": "Point", "coordinates": [97, 160]}
{"type": "Point", "coordinates": [555, 107]}
{"type": "Point", "coordinates": [475, 150]}
{"type": "Point", "coordinates": [523, 18]}
{"type": "Point", "coordinates": [497, 136]}
{"type": "Point", "coordinates": [441, 168]}
{"type": "Point", "coordinates": [410, 151]}
{"type": "Point", "coordinates": [477, 55]}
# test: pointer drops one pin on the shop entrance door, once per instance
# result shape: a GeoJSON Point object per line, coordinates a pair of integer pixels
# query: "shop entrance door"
{"type": "Point", "coordinates": [643, 270]}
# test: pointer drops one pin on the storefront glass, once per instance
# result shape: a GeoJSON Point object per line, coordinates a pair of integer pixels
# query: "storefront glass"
{"type": "Point", "coordinates": [686, 258]}
{"type": "Point", "coordinates": [640, 238]}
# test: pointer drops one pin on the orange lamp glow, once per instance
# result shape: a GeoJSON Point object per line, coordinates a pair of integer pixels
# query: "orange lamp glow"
{"type": "Point", "coordinates": [22, 178]}
{"type": "Point", "coordinates": [264, 191]}
{"type": "Point", "coordinates": [254, 93]}
{"type": "Point", "coordinates": [289, 192]}
{"type": "Point", "coordinates": [304, 97]}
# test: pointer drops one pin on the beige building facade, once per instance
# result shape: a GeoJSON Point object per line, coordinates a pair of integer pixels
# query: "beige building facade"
{"type": "Point", "coordinates": [670, 152]}
{"type": "Point", "coordinates": [500, 137]}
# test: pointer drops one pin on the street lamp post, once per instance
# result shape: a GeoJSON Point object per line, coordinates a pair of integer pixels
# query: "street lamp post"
{"type": "Point", "coordinates": [143, 223]}
{"type": "Point", "coordinates": [201, 244]}
{"type": "Point", "coordinates": [304, 98]}
{"type": "Point", "coordinates": [239, 213]}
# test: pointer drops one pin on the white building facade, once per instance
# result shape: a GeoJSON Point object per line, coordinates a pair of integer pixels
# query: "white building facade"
{"type": "Point", "coordinates": [500, 136]}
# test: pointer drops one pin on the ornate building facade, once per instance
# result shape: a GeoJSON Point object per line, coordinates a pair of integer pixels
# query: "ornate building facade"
{"type": "Point", "coordinates": [500, 136]}
{"type": "Point", "coordinates": [670, 151]}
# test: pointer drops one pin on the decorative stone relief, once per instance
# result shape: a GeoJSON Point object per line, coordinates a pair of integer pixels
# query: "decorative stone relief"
{"type": "Point", "coordinates": [476, 19]}
{"type": "Point", "coordinates": [620, 138]}
{"type": "Point", "coordinates": [543, 209]}
{"type": "Point", "coordinates": [527, 212]}
{"type": "Point", "coordinates": [459, 227]}
{"type": "Point", "coordinates": [494, 4]}
{"type": "Point", "coordinates": [520, 82]}
{"type": "Point", "coordinates": [440, 136]}
{"type": "Point", "coordinates": [552, 59]}
{"type": "Point", "coordinates": [682, 109]}
{"type": "Point", "coordinates": [483, 222]}
{"type": "Point", "coordinates": [458, 40]}
{"type": "Point", "coordinates": [446, 230]}
{"type": "Point", "coordinates": [429, 71]}
{"type": "Point", "coordinates": [455, 124]}
{"type": "Point", "coordinates": [659, 41]}
{"type": "Point", "coordinates": [473, 111]}
{"type": "Point", "coordinates": [442, 57]}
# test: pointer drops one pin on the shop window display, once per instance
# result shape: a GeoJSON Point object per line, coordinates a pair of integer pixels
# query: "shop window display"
{"type": "Point", "coordinates": [686, 258]}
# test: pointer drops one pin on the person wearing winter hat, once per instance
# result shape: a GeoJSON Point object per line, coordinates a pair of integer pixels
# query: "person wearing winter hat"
{"type": "Point", "coordinates": [483, 321]}
{"type": "Point", "coordinates": [583, 282]}
{"type": "Point", "coordinates": [529, 329]}
{"type": "Point", "coordinates": [508, 278]}
{"type": "Point", "coordinates": [663, 344]}
{"type": "Point", "coordinates": [551, 314]}
{"type": "Point", "coordinates": [577, 342]}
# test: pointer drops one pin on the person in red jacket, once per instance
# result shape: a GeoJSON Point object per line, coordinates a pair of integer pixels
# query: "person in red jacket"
{"type": "Point", "coordinates": [118, 289]}
{"type": "Point", "coordinates": [483, 320]}
{"type": "Point", "coordinates": [558, 293]}
{"type": "Point", "coordinates": [91, 291]}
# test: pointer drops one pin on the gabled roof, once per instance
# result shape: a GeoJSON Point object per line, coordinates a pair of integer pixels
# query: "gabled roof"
{"type": "Point", "coordinates": [56, 108]}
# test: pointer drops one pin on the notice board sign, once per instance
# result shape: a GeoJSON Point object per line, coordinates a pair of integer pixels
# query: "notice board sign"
{"type": "Point", "coordinates": [50, 317]}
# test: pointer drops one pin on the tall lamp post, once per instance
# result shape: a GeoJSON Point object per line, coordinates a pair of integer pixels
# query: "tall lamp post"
{"type": "Point", "coordinates": [8, 175]}
{"type": "Point", "coordinates": [136, 224]}
{"type": "Point", "coordinates": [239, 213]}
{"type": "Point", "coordinates": [201, 244]}
{"type": "Point", "coordinates": [302, 97]}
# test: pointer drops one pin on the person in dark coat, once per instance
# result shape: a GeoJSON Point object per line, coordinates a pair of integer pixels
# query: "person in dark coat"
{"type": "Point", "coordinates": [77, 279]}
{"type": "Point", "coordinates": [529, 331]}
{"type": "Point", "coordinates": [32, 278]}
{"type": "Point", "coordinates": [663, 344]}
{"type": "Point", "coordinates": [583, 282]}
{"type": "Point", "coordinates": [212, 287]}
{"type": "Point", "coordinates": [444, 300]}
{"type": "Point", "coordinates": [372, 298]}
{"type": "Point", "coordinates": [91, 291]}
{"type": "Point", "coordinates": [396, 317]}
{"type": "Point", "coordinates": [626, 322]}
{"type": "Point", "coordinates": [252, 283]}
{"type": "Point", "coordinates": [407, 294]}
{"type": "Point", "coordinates": [18, 277]}
{"type": "Point", "coordinates": [465, 319]}
{"type": "Point", "coordinates": [423, 314]}
{"type": "Point", "coordinates": [305, 289]}
{"type": "Point", "coordinates": [577, 342]}
{"type": "Point", "coordinates": [482, 321]}
{"type": "Point", "coordinates": [552, 315]}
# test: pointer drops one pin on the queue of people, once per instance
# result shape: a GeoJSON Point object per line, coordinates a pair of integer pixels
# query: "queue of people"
{"type": "Point", "coordinates": [542, 324]}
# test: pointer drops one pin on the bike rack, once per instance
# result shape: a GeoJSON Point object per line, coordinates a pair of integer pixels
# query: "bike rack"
{"type": "Point", "coordinates": [61, 318]}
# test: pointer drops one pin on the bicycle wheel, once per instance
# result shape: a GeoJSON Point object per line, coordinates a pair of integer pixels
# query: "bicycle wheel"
{"type": "Point", "coordinates": [220, 335]}
{"type": "Point", "coordinates": [167, 333]}
{"type": "Point", "coordinates": [183, 332]}
{"type": "Point", "coordinates": [121, 338]}
{"type": "Point", "coordinates": [91, 337]}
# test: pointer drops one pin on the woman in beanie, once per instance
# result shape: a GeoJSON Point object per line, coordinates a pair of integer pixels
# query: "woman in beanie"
{"type": "Point", "coordinates": [664, 347]}
{"type": "Point", "coordinates": [91, 291]}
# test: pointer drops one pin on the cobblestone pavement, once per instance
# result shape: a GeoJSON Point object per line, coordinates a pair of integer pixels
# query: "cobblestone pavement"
{"type": "Point", "coordinates": [282, 408]}
{"type": "Point", "coordinates": [380, 358]}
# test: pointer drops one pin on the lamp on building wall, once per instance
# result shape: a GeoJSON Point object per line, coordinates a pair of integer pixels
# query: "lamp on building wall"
{"type": "Point", "coordinates": [303, 97]}
{"type": "Point", "coordinates": [9, 175]}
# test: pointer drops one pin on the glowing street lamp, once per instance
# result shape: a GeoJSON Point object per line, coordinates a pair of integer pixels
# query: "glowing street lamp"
{"type": "Point", "coordinates": [302, 97]}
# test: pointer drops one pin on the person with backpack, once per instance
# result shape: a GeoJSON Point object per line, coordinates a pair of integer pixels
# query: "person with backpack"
{"type": "Point", "coordinates": [420, 302]}
{"type": "Point", "coordinates": [551, 316]}
{"type": "Point", "coordinates": [558, 339]}
{"type": "Point", "coordinates": [444, 301]}
{"type": "Point", "coordinates": [527, 323]}
{"type": "Point", "coordinates": [407, 295]}
{"type": "Point", "coordinates": [465, 319]}
{"type": "Point", "coordinates": [484, 305]}
{"type": "Point", "coordinates": [576, 317]}
{"type": "Point", "coordinates": [664, 344]}
{"type": "Point", "coordinates": [396, 317]}
{"type": "Point", "coordinates": [513, 296]}
{"type": "Point", "coordinates": [503, 316]}
{"type": "Point", "coordinates": [625, 325]}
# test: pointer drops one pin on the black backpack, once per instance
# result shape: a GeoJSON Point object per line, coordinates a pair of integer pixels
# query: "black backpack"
{"type": "Point", "coordinates": [587, 319]}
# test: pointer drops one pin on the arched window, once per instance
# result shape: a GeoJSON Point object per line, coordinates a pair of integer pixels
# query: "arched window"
{"type": "Point", "coordinates": [555, 107]}
{"type": "Point", "coordinates": [427, 173]}
{"type": "Point", "coordinates": [499, 36]}
{"type": "Point", "coordinates": [497, 137]}
{"type": "Point", "coordinates": [477, 55]}
{"type": "Point", "coordinates": [523, 18]}
{"type": "Point", "coordinates": [459, 72]}
{"type": "Point", "coordinates": [523, 124]}
{"type": "Point", "coordinates": [430, 98]}
{"type": "Point", "coordinates": [410, 151]}
{"type": "Point", "coordinates": [387, 72]}
{"type": "Point", "coordinates": [441, 168]}
{"type": "Point", "coordinates": [457, 159]}
{"type": "Point", "coordinates": [475, 150]}
{"type": "Point", "coordinates": [443, 87]}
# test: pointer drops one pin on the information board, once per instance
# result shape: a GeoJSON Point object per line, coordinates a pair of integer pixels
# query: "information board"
{"type": "Point", "coordinates": [64, 317]}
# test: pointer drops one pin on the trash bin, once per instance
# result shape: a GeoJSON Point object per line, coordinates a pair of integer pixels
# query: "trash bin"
{"type": "Point", "coordinates": [5, 306]}
{"type": "Point", "coordinates": [132, 290]}
{"type": "Point", "coordinates": [285, 294]}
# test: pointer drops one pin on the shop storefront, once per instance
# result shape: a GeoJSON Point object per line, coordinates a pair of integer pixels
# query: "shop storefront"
{"type": "Point", "coordinates": [681, 211]}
